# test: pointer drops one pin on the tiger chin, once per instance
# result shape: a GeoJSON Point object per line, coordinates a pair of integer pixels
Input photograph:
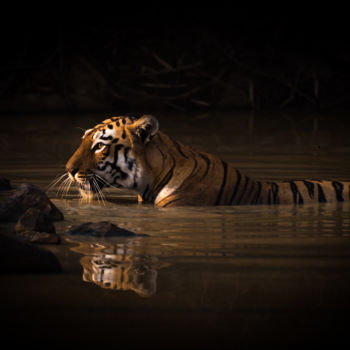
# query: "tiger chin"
{"type": "Point", "coordinates": [131, 152]}
{"type": "Point", "coordinates": [89, 186]}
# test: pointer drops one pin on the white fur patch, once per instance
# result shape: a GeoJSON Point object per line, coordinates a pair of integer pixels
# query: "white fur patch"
{"type": "Point", "coordinates": [177, 180]}
{"type": "Point", "coordinates": [87, 131]}
{"type": "Point", "coordinates": [165, 192]}
{"type": "Point", "coordinates": [100, 149]}
{"type": "Point", "coordinates": [98, 134]}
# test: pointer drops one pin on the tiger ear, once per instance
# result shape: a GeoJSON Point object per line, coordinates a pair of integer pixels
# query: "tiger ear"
{"type": "Point", "coordinates": [145, 127]}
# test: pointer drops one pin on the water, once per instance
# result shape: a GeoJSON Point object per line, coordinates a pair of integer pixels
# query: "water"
{"type": "Point", "coordinates": [250, 276]}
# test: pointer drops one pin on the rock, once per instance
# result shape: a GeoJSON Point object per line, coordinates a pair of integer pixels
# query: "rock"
{"type": "Point", "coordinates": [100, 229]}
{"type": "Point", "coordinates": [28, 196]}
{"type": "Point", "coordinates": [39, 237]}
{"type": "Point", "coordinates": [17, 256]}
{"type": "Point", "coordinates": [5, 184]}
{"type": "Point", "coordinates": [35, 227]}
{"type": "Point", "coordinates": [34, 220]}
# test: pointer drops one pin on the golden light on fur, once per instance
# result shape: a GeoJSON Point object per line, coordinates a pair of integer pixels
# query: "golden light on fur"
{"type": "Point", "coordinates": [130, 152]}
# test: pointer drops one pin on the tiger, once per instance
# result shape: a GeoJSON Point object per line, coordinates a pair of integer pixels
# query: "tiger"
{"type": "Point", "coordinates": [120, 273]}
{"type": "Point", "coordinates": [129, 151]}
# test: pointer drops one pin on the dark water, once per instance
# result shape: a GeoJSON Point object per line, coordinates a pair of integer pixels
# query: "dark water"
{"type": "Point", "coordinates": [237, 277]}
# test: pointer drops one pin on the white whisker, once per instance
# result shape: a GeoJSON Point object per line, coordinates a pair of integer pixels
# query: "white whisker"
{"type": "Point", "coordinates": [99, 192]}
{"type": "Point", "coordinates": [56, 181]}
{"type": "Point", "coordinates": [64, 182]}
{"type": "Point", "coordinates": [68, 187]}
{"type": "Point", "coordinates": [105, 182]}
{"type": "Point", "coordinates": [63, 186]}
{"type": "Point", "coordinates": [94, 186]}
{"type": "Point", "coordinates": [87, 193]}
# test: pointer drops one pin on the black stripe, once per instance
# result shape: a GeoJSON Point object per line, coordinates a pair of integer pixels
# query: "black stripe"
{"type": "Point", "coordinates": [218, 199]}
{"type": "Point", "coordinates": [167, 204]}
{"type": "Point", "coordinates": [294, 190]}
{"type": "Point", "coordinates": [310, 188]}
{"type": "Point", "coordinates": [110, 137]}
{"type": "Point", "coordinates": [195, 166]}
{"type": "Point", "coordinates": [131, 164]}
{"type": "Point", "coordinates": [142, 133]}
{"type": "Point", "coordinates": [321, 197]}
{"type": "Point", "coordinates": [178, 147]}
{"type": "Point", "coordinates": [165, 180]}
{"type": "Point", "coordinates": [275, 188]}
{"type": "Point", "coordinates": [120, 172]}
{"type": "Point", "coordinates": [269, 197]}
{"type": "Point", "coordinates": [300, 199]}
{"type": "Point", "coordinates": [126, 150]}
{"type": "Point", "coordinates": [144, 197]}
{"type": "Point", "coordinates": [207, 161]}
{"type": "Point", "coordinates": [251, 190]}
{"type": "Point", "coordinates": [244, 189]}
{"type": "Point", "coordinates": [184, 183]}
{"type": "Point", "coordinates": [239, 176]}
{"type": "Point", "coordinates": [96, 147]}
{"type": "Point", "coordinates": [338, 187]}
{"type": "Point", "coordinates": [297, 197]}
{"type": "Point", "coordinates": [257, 196]}
{"type": "Point", "coordinates": [161, 152]}
{"type": "Point", "coordinates": [115, 160]}
{"type": "Point", "coordinates": [133, 115]}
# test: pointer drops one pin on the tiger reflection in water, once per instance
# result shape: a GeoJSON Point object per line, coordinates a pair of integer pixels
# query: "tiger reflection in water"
{"type": "Point", "coordinates": [119, 269]}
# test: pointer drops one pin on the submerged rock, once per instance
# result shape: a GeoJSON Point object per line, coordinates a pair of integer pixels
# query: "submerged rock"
{"type": "Point", "coordinates": [5, 184]}
{"type": "Point", "coordinates": [34, 220]}
{"type": "Point", "coordinates": [100, 229]}
{"type": "Point", "coordinates": [35, 227]}
{"type": "Point", "coordinates": [39, 237]}
{"type": "Point", "coordinates": [17, 256]}
{"type": "Point", "coordinates": [28, 196]}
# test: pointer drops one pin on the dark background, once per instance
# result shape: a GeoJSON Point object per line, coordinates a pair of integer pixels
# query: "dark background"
{"type": "Point", "coordinates": [178, 58]}
{"type": "Point", "coordinates": [172, 56]}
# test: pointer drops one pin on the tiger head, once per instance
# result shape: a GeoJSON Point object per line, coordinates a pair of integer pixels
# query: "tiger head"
{"type": "Point", "coordinates": [109, 154]}
{"type": "Point", "coordinates": [121, 273]}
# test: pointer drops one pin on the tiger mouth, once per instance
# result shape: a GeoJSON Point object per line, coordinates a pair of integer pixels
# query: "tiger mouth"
{"type": "Point", "coordinates": [91, 185]}
{"type": "Point", "coordinates": [86, 187]}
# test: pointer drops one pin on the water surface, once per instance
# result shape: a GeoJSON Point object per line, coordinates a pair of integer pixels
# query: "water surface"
{"type": "Point", "coordinates": [206, 276]}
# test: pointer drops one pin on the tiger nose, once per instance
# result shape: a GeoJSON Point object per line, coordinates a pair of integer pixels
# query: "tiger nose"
{"type": "Point", "coordinates": [72, 171]}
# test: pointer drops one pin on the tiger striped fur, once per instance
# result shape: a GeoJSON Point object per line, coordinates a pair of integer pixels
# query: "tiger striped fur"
{"type": "Point", "coordinates": [130, 152]}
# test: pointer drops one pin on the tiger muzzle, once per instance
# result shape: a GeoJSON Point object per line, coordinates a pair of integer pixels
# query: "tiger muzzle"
{"type": "Point", "coordinates": [88, 182]}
